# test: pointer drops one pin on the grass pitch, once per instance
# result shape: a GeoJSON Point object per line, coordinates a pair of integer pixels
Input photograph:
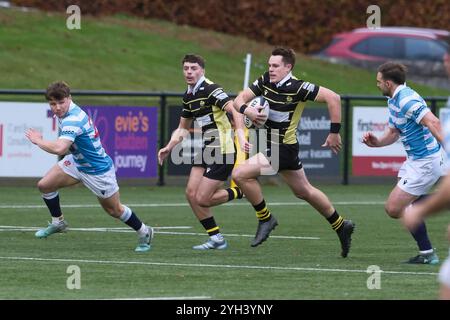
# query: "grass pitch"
{"type": "Point", "coordinates": [301, 259]}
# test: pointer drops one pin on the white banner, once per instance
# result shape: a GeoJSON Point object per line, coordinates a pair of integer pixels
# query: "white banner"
{"type": "Point", "coordinates": [18, 156]}
{"type": "Point", "coordinates": [373, 119]}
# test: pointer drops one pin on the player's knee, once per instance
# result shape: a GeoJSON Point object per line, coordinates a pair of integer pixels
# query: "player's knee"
{"type": "Point", "coordinates": [190, 194]}
{"type": "Point", "coordinates": [237, 175]}
{"type": "Point", "coordinates": [392, 210]}
{"type": "Point", "coordinates": [202, 200]}
{"type": "Point", "coordinates": [43, 186]}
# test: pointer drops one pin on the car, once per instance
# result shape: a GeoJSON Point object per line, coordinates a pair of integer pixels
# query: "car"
{"type": "Point", "coordinates": [388, 43]}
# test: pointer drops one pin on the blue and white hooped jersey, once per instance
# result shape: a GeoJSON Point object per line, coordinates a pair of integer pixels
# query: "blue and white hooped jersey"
{"type": "Point", "coordinates": [406, 110]}
{"type": "Point", "coordinates": [87, 150]}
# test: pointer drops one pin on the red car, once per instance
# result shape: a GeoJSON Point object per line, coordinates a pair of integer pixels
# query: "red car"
{"type": "Point", "coordinates": [398, 43]}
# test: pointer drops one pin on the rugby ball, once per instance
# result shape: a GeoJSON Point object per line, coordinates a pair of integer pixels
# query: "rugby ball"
{"type": "Point", "coordinates": [257, 101]}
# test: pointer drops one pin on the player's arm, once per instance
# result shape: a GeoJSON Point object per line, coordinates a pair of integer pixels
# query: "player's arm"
{"type": "Point", "coordinates": [333, 101]}
{"type": "Point", "coordinates": [177, 136]}
{"type": "Point", "coordinates": [59, 146]}
{"type": "Point", "coordinates": [389, 137]}
{"type": "Point", "coordinates": [438, 201]}
{"type": "Point", "coordinates": [239, 126]}
{"type": "Point", "coordinates": [434, 125]}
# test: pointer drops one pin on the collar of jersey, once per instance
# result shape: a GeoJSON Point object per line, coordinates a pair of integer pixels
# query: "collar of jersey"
{"type": "Point", "coordinates": [398, 89]}
{"type": "Point", "coordinates": [72, 105]}
{"type": "Point", "coordinates": [197, 85]}
{"type": "Point", "coordinates": [280, 83]}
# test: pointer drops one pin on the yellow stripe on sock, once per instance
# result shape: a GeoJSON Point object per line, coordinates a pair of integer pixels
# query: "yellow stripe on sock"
{"type": "Point", "coordinates": [235, 192]}
{"type": "Point", "coordinates": [337, 223]}
{"type": "Point", "coordinates": [261, 213]}
{"type": "Point", "coordinates": [264, 216]}
{"type": "Point", "coordinates": [212, 229]}
{"type": "Point", "coordinates": [340, 225]}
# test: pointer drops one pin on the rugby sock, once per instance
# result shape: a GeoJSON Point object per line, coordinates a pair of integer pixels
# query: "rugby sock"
{"type": "Point", "coordinates": [421, 237]}
{"type": "Point", "coordinates": [210, 226]}
{"type": "Point", "coordinates": [421, 234]}
{"type": "Point", "coordinates": [336, 221]}
{"type": "Point", "coordinates": [131, 219]}
{"type": "Point", "coordinates": [52, 201]}
{"type": "Point", "coordinates": [234, 193]}
{"type": "Point", "coordinates": [143, 230]}
{"type": "Point", "coordinates": [262, 212]}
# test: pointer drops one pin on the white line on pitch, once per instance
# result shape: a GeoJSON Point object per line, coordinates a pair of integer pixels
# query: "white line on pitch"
{"type": "Point", "coordinates": [101, 229]}
{"type": "Point", "coordinates": [20, 228]}
{"type": "Point", "coordinates": [219, 266]}
{"type": "Point", "coordinates": [162, 298]}
{"type": "Point", "coordinates": [183, 204]}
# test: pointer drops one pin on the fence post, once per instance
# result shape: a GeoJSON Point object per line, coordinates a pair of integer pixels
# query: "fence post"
{"type": "Point", "coordinates": [162, 136]}
{"type": "Point", "coordinates": [346, 139]}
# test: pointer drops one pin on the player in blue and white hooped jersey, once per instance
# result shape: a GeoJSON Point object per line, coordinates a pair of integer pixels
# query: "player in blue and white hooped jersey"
{"type": "Point", "coordinates": [86, 161]}
{"type": "Point", "coordinates": [440, 200]}
{"type": "Point", "coordinates": [420, 132]}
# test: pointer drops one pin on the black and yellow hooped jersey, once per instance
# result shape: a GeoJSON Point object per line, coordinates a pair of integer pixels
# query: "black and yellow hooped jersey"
{"type": "Point", "coordinates": [287, 102]}
{"type": "Point", "coordinates": [206, 106]}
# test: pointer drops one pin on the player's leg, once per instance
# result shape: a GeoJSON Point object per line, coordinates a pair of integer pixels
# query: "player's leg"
{"type": "Point", "coordinates": [222, 196]}
{"type": "Point", "coordinates": [204, 214]}
{"type": "Point", "coordinates": [210, 192]}
{"type": "Point", "coordinates": [300, 186]}
{"type": "Point", "coordinates": [416, 179]}
{"type": "Point", "coordinates": [57, 177]}
{"type": "Point", "coordinates": [245, 177]}
{"type": "Point", "coordinates": [116, 209]}
{"type": "Point", "coordinates": [105, 187]}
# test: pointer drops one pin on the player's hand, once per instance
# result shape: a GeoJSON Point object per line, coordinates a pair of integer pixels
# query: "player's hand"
{"type": "Point", "coordinates": [370, 139]}
{"type": "Point", "coordinates": [162, 155]}
{"type": "Point", "coordinates": [411, 217]}
{"type": "Point", "coordinates": [255, 114]}
{"type": "Point", "coordinates": [333, 142]}
{"type": "Point", "coordinates": [33, 135]}
{"type": "Point", "coordinates": [243, 142]}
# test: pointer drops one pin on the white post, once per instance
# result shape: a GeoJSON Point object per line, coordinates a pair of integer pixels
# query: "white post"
{"type": "Point", "coordinates": [248, 62]}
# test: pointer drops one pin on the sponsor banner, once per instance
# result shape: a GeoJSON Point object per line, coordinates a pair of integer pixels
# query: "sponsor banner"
{"type": "Point", "coordinates": [312, 132]}
{"type": "Point", "coordinates": [377, 166]}
{"type": "Point", "coordinates": [18, 156]}
{"type": "Point", "coordinates": [129, 136]}
{"type": "Point", "coordinates": [367, 161]}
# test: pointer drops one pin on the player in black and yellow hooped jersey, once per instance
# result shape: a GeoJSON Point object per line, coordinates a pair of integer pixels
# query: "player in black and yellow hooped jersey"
{"type": "Point", "coordinates": [208, 104]}
{"type": "Point", "coordinates": [287, 96]}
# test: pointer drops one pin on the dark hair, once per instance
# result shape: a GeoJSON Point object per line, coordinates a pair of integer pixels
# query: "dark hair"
{"type": "Point", "coordinates": [396, 72]}
{"type": "Point", "coordinates": [287, 53]}
{"type": "Point", "coordinates": [57, 91]}
{"type": "Point", "coordinates": [194, 58]}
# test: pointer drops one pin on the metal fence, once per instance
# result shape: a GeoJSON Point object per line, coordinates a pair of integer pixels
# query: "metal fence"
{"type": "Point", "coordinates": [348, 101]}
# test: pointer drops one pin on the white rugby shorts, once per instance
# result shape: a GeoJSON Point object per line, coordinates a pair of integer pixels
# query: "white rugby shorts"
{"type": "Point", "coordinates": [418, 176]}
{"type": "Point", "coordinates": [102, 185]}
